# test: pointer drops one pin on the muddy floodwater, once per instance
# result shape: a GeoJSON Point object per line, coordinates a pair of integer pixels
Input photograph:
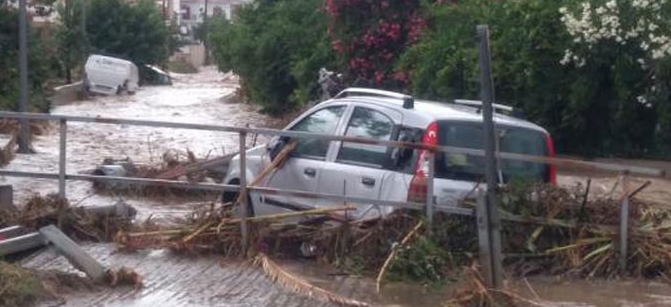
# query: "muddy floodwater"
{"type": "Point", "coordinates": [187, 280]}
{"type": "Point", "coordinates": [194, 98]}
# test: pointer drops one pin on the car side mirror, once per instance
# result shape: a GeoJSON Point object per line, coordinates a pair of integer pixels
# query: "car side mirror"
{"type": "Point", "coordinates": [276, 145]}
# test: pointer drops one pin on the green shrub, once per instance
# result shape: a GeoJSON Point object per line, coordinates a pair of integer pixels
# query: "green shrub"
{"type": "Point", "coordinates": [9, 71]}
{"type": "Point", "coordinates": [277, 48]}
{"type": "Point", "coordinates": [589, 106]}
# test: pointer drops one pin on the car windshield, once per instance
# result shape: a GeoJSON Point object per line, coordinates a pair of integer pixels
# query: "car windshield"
{"type": "Point", "coordinates": [472, 168]}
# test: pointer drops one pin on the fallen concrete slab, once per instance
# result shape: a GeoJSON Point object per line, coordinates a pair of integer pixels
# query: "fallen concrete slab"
{"type": "Point", "coordinates": [73, 253]}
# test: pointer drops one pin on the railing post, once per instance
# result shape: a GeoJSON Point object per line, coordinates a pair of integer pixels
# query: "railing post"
{"type": "Point", "coordinates": [62, 158]}
{"type": "Point", "coordinates": [484, 250]}
{"type": "Point", "coordinates": [429, 189]}
{"type": "Point", "coordinates": [487, 93]}
{"type": "Point", "coordinates": [242, 208]}
{"type": "Point", "coordinates": [624, 232]}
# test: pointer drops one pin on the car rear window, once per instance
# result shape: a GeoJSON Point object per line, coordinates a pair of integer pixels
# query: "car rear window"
{"type": "Point", "coordinates": [508, 139]}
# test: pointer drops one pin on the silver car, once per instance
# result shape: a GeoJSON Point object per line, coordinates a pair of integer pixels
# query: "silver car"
{"type": "Point", "coordinates": [383, 172]}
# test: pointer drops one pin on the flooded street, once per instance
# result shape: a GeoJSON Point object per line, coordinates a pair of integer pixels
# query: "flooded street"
{"type": "Point", "coordinates": [194, 98]}
{"type": "Point", "coordinates": [185, 280]}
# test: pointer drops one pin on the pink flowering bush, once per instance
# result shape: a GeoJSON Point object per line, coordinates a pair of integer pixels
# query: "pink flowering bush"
{"type": "Point", "coordinates": [368, 37]}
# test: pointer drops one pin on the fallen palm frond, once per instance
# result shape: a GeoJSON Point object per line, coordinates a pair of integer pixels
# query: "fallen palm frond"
{"type": "Point", "coordinates": [588, 246]}
{"type": "Point", "coordinates": [393, 252]}
{"type": "Point", "coordinates": [298, 285]}
{"type": "Point", "coordinates": [217, 229]}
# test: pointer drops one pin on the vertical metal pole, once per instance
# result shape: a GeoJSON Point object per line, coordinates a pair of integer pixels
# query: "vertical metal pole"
{"type": "Point", "coordinates": [624, 232]}
{"type": "Point", "coordinates": [205, 31]}
{"type": "Point", "coordinates": [62, 159]}
{"type": "Point", "coordinates": [429, 189]}
{"type": "Point", "coordinates": [482, 219]}
{"type": "Point", "coordinates": [487, 93]}
{"type": "Point", "coordinates": [24, 129]}
{"type": "Point", "coordinates": [84, 47]}
{"type": "Point", "coordinates": [243, 193]}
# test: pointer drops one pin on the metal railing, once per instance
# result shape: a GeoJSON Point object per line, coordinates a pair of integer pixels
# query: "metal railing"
{"type": "Point", "coordinates": [430, 206]}
{"type": "Point", "coordinates": [62, 175]}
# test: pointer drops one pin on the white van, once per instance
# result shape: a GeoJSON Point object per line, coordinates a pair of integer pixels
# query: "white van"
{"type": "Point", "coordinates": [108, 75]}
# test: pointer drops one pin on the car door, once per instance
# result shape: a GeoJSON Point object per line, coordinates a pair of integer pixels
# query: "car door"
{"type": "Point", "coordinates": [359, 170]}
{"type": "Point", "coordinates": [302, 169]}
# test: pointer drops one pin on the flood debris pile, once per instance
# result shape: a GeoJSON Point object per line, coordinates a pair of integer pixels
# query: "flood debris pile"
{"type": "Point", "coordinates": [580, 236]}
{"type": "Point", "coordinates": [175, 165]}
{"type": "Point", "coordinates": [98, 224]}
{"type": "Point", "coordinates": [11, 126]}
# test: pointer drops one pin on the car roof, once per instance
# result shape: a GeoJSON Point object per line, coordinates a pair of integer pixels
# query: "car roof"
{"type": "Point", "coordinates": [426, 111]}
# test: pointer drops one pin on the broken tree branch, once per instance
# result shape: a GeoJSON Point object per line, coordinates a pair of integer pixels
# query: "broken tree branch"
{"type": "Point", "coordinates": [393, 253]}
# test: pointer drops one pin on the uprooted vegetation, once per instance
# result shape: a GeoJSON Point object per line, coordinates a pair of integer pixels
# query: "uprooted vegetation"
{"type": "Point", "coordinates": [175, 165]}
{"type": "Point", "coordinates": [23, 287]}
{"type": "Point", "coordinates": [556, 231]}
{"type": "Point", "coordinates": [77, 222]}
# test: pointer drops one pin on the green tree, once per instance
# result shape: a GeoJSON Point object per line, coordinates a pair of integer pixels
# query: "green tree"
{"type": "Point", "coordinates": [277, 48]}
{"type": "Point", "coordinates": [132, 31]}
{"type": "Point", "coordinates": [69, 35]}
{"type": "Point", "coordinates": [588, 101]}
{"type": "Point", "coordinates": [9, 69]}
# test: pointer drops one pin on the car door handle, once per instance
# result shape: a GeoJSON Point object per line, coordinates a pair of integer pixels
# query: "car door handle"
{"type": "Point", "coordinates": [368, 181]}
{"type": "Point", "coordinates": [310, 172]}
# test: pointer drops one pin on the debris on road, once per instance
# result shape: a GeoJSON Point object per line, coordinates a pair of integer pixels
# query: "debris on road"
{"type": "Point", "coordinates": [296, 284]}
{"type": "Point", "coordinates": [83, 223]}
{"type": "Point", "coordinates": [175, 166]}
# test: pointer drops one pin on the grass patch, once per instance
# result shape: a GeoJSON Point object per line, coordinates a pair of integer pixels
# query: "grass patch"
{"type": "Point", "coordinates": [18, 286]}
{"type": "Point", "coordinates": [182, 67]}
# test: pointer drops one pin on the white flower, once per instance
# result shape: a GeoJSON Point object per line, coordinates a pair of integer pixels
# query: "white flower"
{"type": "Point", "coordinates": [611, 4]}
{"type": "Point", "coordinates": [641, 99]}
{"type": "Point", "coordinates": [567, 58]}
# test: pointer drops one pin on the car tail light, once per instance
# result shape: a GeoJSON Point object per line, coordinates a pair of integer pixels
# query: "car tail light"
{"type": "Point", "coordinates": [418, 190]}
{"type": "Point", "coordinates": [552, 169]}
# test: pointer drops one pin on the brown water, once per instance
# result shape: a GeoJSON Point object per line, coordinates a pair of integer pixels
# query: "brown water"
{"type": "Point", "coordinates": [186, 280]}
{"type": "Point", "coordinates": [180, 280]}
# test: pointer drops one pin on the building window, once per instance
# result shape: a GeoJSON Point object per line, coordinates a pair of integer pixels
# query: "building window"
{"type": "Point", "coordinates": [218, 11]}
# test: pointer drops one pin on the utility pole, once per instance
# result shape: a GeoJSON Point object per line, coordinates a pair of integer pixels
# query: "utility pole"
{"type": "Point", "coordinates": [494, 222]}
{"type": "Point", "coordinates": [205, 30]}
{"type": "Point", "coordinates": [24, 128]}
{"type": "Point", "coordinates": [84, 49]}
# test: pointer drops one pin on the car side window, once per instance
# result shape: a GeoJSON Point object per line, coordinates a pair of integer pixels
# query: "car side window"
{"type": "Point", "coordinates": [367, 123]}
{"type": "Point", "coordinates": [323, 121]}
